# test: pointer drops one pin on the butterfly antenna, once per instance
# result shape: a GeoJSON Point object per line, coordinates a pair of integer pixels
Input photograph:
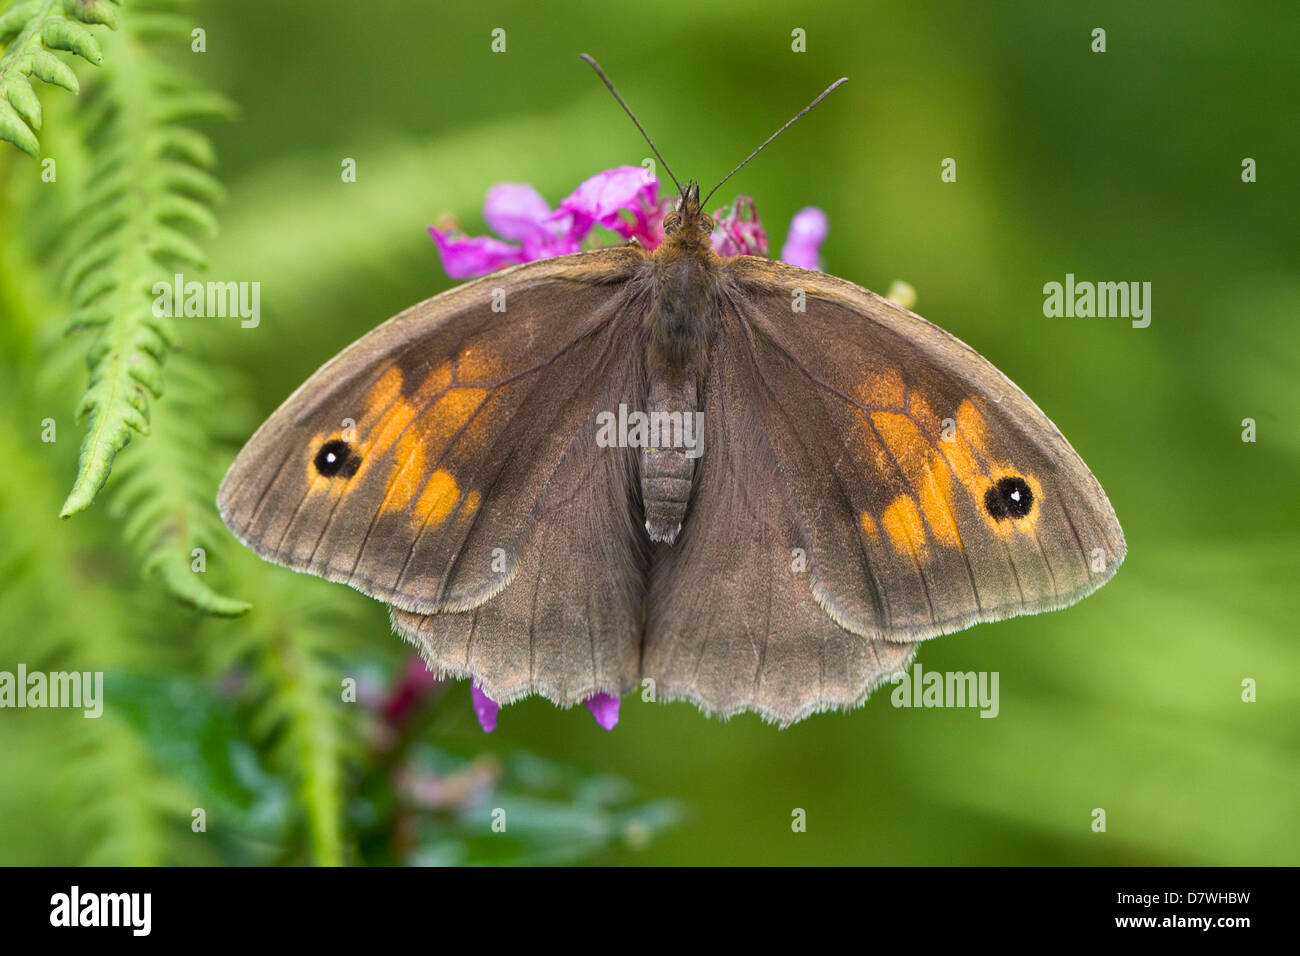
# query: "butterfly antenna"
{"type": "Point", "coordinates": [605, 79]}
{"type": "Point", "coordinates": [798, 116]}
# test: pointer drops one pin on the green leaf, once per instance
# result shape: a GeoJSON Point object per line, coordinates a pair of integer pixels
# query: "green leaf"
{"type": "Point", "coordinates": [165, 490]}
{"type": "Point", "coordinates": [186, 586]}
{"type": "Point", "coordinates": [23, 99]}
{"type": "Point", "coordinates": [15, 19]}
{"type": "Point", "coordinates": [93, 11]}
{"type": "Point", "coordinates": [59, 33]}
{"type": "Point", "coordinates": [31, 30]}
{"type": "Point", "coordinates": [13, 129]}
{"type": "Point", "coordinates": [46, 66]}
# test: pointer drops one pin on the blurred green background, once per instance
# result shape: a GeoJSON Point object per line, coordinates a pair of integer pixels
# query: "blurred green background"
{"type": "Point", "coordinates": [1122, 166]}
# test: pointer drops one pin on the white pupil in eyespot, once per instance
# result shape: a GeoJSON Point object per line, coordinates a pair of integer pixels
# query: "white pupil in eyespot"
{"type": "Point", "coordinates": [1015, 495]}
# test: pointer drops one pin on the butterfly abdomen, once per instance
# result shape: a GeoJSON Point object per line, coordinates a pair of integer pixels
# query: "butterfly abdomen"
{"type": "Point", "coordinates": [673, 442]}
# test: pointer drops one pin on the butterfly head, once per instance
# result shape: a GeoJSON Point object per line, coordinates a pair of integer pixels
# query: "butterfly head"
{"type": "Point", "coordinates": [688, 224]}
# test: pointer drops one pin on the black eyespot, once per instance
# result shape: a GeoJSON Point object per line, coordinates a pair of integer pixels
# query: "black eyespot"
{"type": "Point", "coordinates": [1009, 498]}
{"type": "Point", "coordinates": [336, 458]}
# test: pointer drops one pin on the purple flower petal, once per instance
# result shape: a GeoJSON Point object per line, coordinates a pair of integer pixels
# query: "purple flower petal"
{"type": "Point", "coordinates": [555, 238]}
{"type": "Point", "coordinates": [516, 211]}
{"type": "Point", "coordinates": [808, 231]}
{"type": "Point", "coordinates": [603, 197]}
{"type": "Point", "coordinates": [604, 708]}
{"type": "Point", "coordinates": [485, 709]}
{"type": "Point", "coordinates": [737, 230]}
{"type": "Point", "coordinates": [465, 257]}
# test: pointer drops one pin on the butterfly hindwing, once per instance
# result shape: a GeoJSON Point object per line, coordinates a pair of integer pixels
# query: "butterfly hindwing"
{"type": "Point", "coordinates": [410, 466]}
{"type": "Point", "coordinates": [732, 621]}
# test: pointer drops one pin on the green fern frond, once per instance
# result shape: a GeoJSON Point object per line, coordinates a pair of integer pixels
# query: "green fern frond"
{"type": "Point", "coordinates": [147, 205]}
{"type": "Point", "coordinates": [166, 494]}
{"type": "Point", "coordinates": [32, 29]}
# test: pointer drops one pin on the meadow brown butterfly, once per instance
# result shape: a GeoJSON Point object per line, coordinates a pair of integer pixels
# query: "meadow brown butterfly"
{"type": "Point", "coordinates": [861, 481]}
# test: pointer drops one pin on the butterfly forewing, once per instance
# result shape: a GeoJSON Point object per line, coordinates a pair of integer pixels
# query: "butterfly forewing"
{"type": "Point", "coordinates": [411, 465]}
{"type": "Point", "coordinates": [934, 493]}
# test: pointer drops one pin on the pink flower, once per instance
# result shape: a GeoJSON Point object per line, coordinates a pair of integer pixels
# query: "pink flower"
{"type": "Point", "coordinates": [517, 212]}
{"type": "Point", "coordinates": [485, 708]}
{"type": "Point", "coordinates": [464, 257]}
{"type": "Point", "coordinates": [808, 231]}
{"type": "Point", "coordinates": [606, 196]}
{"type": "Point", "coordinates": [624, 200]}
{"type": "Point", "coordinates": [603, 707]}
{"type": "Point", "coordinates": [737, 231]}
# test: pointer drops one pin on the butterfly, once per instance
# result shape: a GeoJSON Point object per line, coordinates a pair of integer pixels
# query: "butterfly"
{"type": "Point", "coordinates": [732, 481]}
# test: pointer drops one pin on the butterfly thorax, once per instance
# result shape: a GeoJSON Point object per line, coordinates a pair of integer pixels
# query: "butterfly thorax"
{"type": "Point", "coordinates": [683, 314]}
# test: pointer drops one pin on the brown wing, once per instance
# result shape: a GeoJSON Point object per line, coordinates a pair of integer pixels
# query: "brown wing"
{"type": "Point", "coordinates": [411, 466]}
{"type": "Point", "coordinates": [732, 622]}
{"type": "Point", "coordinates": [569, 624]}
{"type": "Point", "coordinates": [933, 492]}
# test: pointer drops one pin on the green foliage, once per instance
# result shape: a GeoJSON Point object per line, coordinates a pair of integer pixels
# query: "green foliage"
{"type": "Point", "coordinates": [31, 29]}
{"type": "Point", "coordinates": [149, 195]}
{"type": "Point", "coordinates": [548, 814]}
{"type": "Point", "coordinates": [165, 491]}
{"type": "Point", "coordinates": [286, 662]}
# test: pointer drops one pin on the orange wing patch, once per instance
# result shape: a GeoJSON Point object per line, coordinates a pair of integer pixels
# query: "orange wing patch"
{"type": "Point", "coordinates": [407, 434]}
{"type": "Point", "coordinates": [934, 461]}
{"type": "Point", "coordinates": [438, 498]}
{"type": "Point", "coordinates": [965, 453]}
{"type": "Point", "coordinates": [902, 523]}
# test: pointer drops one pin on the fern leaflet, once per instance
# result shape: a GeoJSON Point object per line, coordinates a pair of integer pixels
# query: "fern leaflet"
{"type": "Point", "coordinates": [32, 29]}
